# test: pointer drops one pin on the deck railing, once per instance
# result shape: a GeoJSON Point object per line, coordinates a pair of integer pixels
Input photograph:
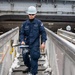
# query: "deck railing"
{"type": "Point", "coordinates": [7, 52]}
{"type": "Point", "coordinates": [61, 54]}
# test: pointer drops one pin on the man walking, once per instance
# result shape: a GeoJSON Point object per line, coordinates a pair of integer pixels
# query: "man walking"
{"type": "Point", "coordinates": [30, 35]}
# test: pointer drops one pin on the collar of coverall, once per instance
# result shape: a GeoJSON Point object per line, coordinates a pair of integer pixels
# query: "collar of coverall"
{"type": "Point", "coordinates": [33, 20]}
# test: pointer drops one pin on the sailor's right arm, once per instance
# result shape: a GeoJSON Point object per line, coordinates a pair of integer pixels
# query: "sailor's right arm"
{"type": "Point", "coordinates": [22, 35]}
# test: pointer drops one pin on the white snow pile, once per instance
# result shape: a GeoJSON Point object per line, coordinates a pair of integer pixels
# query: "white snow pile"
{"type": "Point", "coordinates": [46, 65]}
{"type": "Point", "coordinates": [14, 64]}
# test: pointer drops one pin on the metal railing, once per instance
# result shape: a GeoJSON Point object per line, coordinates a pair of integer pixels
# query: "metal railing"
{"type": "Point", "coordinates": [7, 52]}
{"type": "Point", "coordinates": [61, 54]}
{"type": "Point", "coordinates": [70, 36]}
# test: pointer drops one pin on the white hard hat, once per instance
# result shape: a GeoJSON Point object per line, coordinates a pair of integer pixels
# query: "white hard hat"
{"type": "Point", "coordinates": [32, 10]}
{"type": "Point", "coordinates": [68, 28]}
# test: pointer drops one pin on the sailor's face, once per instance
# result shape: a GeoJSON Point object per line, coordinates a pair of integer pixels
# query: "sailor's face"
{"type": "Point", "coordinates": [31, 16]}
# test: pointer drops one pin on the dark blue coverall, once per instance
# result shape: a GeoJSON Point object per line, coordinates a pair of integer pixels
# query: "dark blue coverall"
{"type": "Point", "coordinates": [30, 33]}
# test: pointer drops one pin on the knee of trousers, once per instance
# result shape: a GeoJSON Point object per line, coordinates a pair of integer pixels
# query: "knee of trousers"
{"type": "Point", "coordinates": [35, 53]}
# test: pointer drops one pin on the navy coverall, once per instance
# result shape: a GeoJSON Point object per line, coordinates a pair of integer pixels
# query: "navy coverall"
{"type": "Point", "coordinates": [30, 33]}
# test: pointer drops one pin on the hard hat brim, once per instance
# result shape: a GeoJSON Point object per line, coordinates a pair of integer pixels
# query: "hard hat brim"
{"type": "Point", "coordinates": [31, 12]}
